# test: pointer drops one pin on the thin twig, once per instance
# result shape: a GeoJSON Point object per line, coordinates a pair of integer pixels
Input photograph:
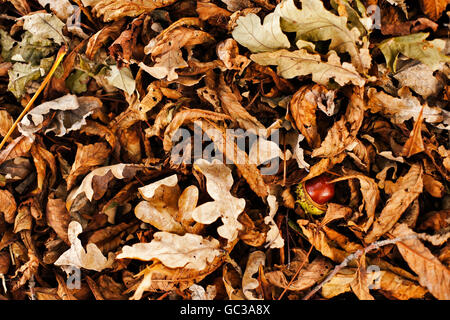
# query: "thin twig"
{"type": "Point", "coordinates": [356, 255]}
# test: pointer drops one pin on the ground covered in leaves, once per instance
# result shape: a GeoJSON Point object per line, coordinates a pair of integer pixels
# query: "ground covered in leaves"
{"type": "Point", "coordinates": [111, 111]}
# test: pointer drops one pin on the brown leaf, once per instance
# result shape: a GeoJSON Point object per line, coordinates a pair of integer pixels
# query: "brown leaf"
{"type": "Point", "coordinates": [414, 144]}
{"type": "Point", "coordinates": [24, 220]}
{"type": "Point", "coordinates": [432, 273]}
{"type": "Point", "coordinates": [303, 107]}
{"type": "Point", "coordinates": [17, 148]}
{"type": "Point", "coordinates": [42, 158]}
{"type": "Point", "coordinates": [58, 217]}
{"type": "Point", "coordinates": [328, 246]}
{"type": "Point", "coordinates": [101, 37]}
{"type": "Point", "coordinates": [6, 121]}
{"type": "Point", "coordinates": [186, 116]}
{"type": "Point", "coordinates": [407, 189]}
{"type": "Point", "coordinates": [232, 107]}
{"type": "Point", "coordinates": [249, 171]}
{"type": "Point", "coordinates": [334, 212]}
{"type": "Point", "coordinates": [433, 8]}
{"type": "Point", "coordinates": [210, 11]}
{"type": "Point", "coordinates": [87, 157]}
{"type": "Point", "coordinates": [122, 48]}
{"type": "Point", "coordinates": [436, 220]}
{"type": "Point", "coordinates": [343, 132]}
{"type": "Point", "coordinates": [114, 10]}
{"type": "Point", "coordinates": [433, 186]}
{"type": "Point", "coordinates": [310, 274]}
{"type": "Point", "coordinates": [95, 128]}
{"type": "Point", "coordinates": [228, 53]}
{"type": "Point", "coordinates": [109, 238]}
{"type": "Point", "coordinates": [8, 205]}
{"type": "Point", "coordinates": [370, 194]}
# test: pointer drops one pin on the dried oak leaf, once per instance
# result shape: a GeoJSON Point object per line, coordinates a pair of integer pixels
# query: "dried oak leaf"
{"type": "Point", "coordinates": [225, 206]}
{"type": "Point", "coordinates": [405, 191]}
{"type": "Point", "coordinates": [114, 10]}
{"type": "Point", "coordinates": [161, 206]}
{"type": "Point", "coordinates": [70, 114]}
{"type": "Point", "coordinates": [95, 184]}
{"type": "Point", "coordinates": [432, 273]}
{"type": "Point", "coordinates": [190, 251]}
{"type": "Point", "coordinates": [91, 258]}
{"type": "Point", "coordinates": [258, 37]}
{"type": "Point", "coordinates": [165, 49]}
{"type": "Point", "coordinates": [315, 23]}
{"type": "Point", "coordinates": [292, 64]}
{"type": "Point", "coordinates": [407, 106]}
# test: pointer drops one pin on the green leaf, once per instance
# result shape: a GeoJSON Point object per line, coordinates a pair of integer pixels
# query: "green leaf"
{"type": "Point", "coordinates": [122, 79]}
{"type": "Point", "coordinates": [300, 63]}
{"type": "Point", "coordinates": [314, 23]}
{"type": "Point", "coordinates": [20, 75]}
{"type": "Point", "coordinates": [260, 38]}
{"type": "Point", "coordinates": [7, 43]}
{"type": "Point", "coordinates": [414, 46]}
{"type": "Point", "coordinates": [77, 82]}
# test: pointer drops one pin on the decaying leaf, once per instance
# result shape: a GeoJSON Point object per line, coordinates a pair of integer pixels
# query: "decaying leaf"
{"type": "Point", "coordinates": [91, 258]}
{"type": "Point", "coordinates": [292, 64]}
{"type": "Point", "coordinates": [407, 189]}
{"type": "Point", "coordinates": [70, 114]}
{"type": "Point", "coordinates": [225, 206]}
{"type": "Point", "coordinates": [432, 273]}
{"type": "Point", "coordinates": [114, 10]}
{"type": "Point", "coordinates": [95, 184]}
{"type": "Point", "coordinates": [189, 251]}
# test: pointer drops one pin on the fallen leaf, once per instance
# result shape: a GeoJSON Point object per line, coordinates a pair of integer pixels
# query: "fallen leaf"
{"type": "Point", "coordinates": [87, 157]}
{"type": "Point", "coordinates": [62, 8]}
{"type": "Point", "coordinates": [71, 113]}
{"type": "Point", "coordinates": [433, 8]}
{"type": "Point", "coordinates": [414, 46]}
{"type": "Point", "coordinates": [258, 37]}
{"type": "Point", "coordinates": [292, 64]}
{"type": "Point", "coordinates": [114, 10]}
{"type": "Point", "coordinates": [58, 218]}
{"type": "Point", "coordinates": [432, 273]}
{"type": "Point", "coordinates": [407, 189]}
{"type": "Point", "coordinates": [91, 258]}
{"type": "Point", "coordinates": [189, 251]}
{"type": "Point", "coordinates": [225, 206]}
{"type": "Point", "coordinates": [8, 206]}
{"type": "Point", "coordinates": [314, 23]}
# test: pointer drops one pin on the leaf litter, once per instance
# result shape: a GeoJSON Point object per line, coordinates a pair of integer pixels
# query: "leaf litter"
{"type": "Point", "coordinates": [95, 175]}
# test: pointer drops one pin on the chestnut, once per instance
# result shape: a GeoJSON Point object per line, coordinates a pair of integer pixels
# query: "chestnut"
{"type": "Point", "coordinates": [314, 194]}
